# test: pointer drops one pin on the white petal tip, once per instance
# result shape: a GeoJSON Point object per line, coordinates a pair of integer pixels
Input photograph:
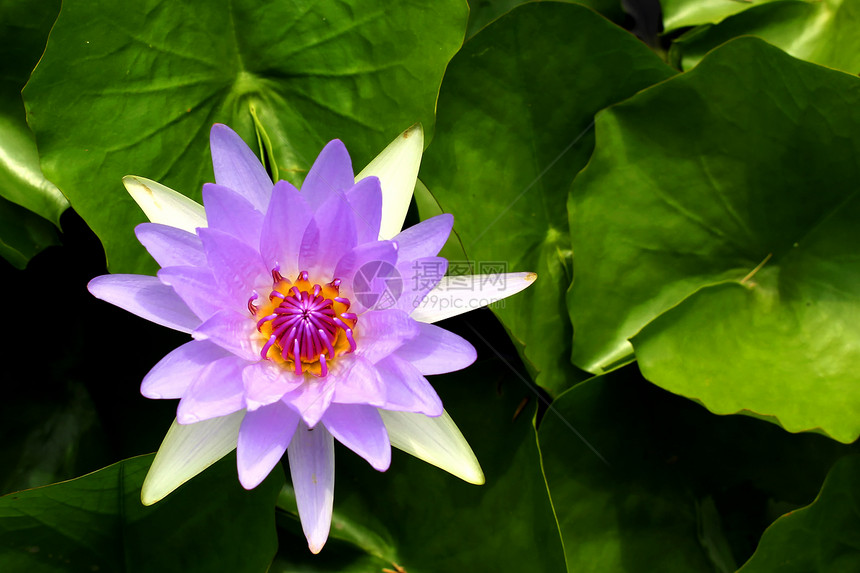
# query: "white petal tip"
{"type": "Point", "coordinates": [530, 277]}
{"type": "Point", "coordinates": [416, 129]}
{"type": "Point", "coordinates": [147, 498]}
{"type": "Point", "coordinates": [316, 547]}
{"type": "Point", "coordinates": [163, 205]}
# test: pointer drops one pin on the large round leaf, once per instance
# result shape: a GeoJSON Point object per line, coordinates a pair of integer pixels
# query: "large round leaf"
{"type": "Point", "coordinates": [97, 523]}
{"type": "Point", "coordinates": [742, 170]}
{"type": "Point", "coordinates": [514, 127]}
{"type": "Point", "coordinates": [642, 480]}
{"type": "Point", "coordinates": [134, 88]}
{"type": "Point", "coordinates": [823, 32]}
{"type": "Point", "coordinates": [821, 538]}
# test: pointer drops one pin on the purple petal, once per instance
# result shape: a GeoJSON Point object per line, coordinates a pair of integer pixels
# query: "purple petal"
{"type": "Point", "coordinates": [311, 454]}
{"type": "Point", "coordinates": [406, 389]}
{"type": "Point", "coordinates": [229, 212]}
{"type": "Point", "coordinates": [266, 383]}
{"type": "Point", "coordinates": [263, 439]}
{"type": "Point", "coordinates": [419, 278]}
{"type": "Point", "coordinates": [437, 351]}
{"type": "Point", "coordinates": [170, 246]}
{"type": "Point", "coordinates": [196, 286]}
{"type": "Point", "coordinates": [360, 429]}
{"type": "Point", "coordinates": [330, 175]}
{"type": "Point", "coordinates": [307, 254]}
{"type": "Point", "coordinates": [337, 236]}
{"type": "Point", "coordinates": [426, 238]}
{"type": "Point", "coordinates": [377, 275]}
{"type": "Point", "coordinates": [236, 266]}
{"type": "Point", "coordinates": [381, 332]}
{"type": "Point", "coordinates": [217, 391]}
{"type": "Point", "coordinates": [232, 331]}
{"type": "Point", "coordinates": [147, 297]}
{"type": "Point", "coordinates": [312, 398]}
{"type": "Point", "coordinates": [283, 228]}
{"type": "Point", "coordinates": [238, 168]}
{"type": "Point", "coordinates": [174, 373]}
{"type": "Point", "coordinates": [365, 197]}
{"type": "Point", "coordinates": [357, 383]}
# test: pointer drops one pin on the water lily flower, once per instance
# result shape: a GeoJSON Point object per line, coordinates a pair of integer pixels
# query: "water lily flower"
{"type": "Point", "coordinates": [309, 321]}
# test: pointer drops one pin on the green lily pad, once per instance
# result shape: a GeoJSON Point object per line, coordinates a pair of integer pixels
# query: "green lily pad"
{"type": "Point", "coordinates": [642, 480]}
{"type": "Point", "coordinates": [823, 32]}
{"type": "Point", "coordinates": [97, 523]}
{"type": "Point", "coordinates": [683, 13]}
{"type": "Point", "coordinates": [425, 520]}
{"type": "Point", "coordinates": [821, 538]}
{"type": "Point", "coordinates": [135, 89]}
{"type": "Point", "coordinates": [697, 182]}
{"type": "Point", "coordinates": [514, 125]}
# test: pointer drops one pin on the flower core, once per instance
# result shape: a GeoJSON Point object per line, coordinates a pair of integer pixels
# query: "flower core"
{"type": "Point", "coordinates": [307, 324]}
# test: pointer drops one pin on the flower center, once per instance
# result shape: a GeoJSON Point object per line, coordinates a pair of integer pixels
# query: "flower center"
{"type": "Point", "coordinates": [305, 325]}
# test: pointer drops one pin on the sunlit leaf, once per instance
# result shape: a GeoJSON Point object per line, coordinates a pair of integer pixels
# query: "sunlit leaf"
{"type": "Point", "coordinates": [514, 126]}
{"type": "Point", "coordinates": [822, 32]}
{"type": "Point", "coordinates": [694, 184]}
{"type": "Point", "coordinates": [682, 13]}
{"type": "Point", "coordinates": [134, 89]}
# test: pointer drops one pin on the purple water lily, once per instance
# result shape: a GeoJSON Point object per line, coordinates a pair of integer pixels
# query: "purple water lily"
{"type": "Point", "coordinates": [309, 318]}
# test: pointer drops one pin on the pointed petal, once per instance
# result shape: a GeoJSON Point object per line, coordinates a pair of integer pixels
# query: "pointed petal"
{"type": "Point", "coordinates": [283, 228]}
{"type": "Point", "coordinates": [263, 439]}
{"type": "Point", "coordinates": [437, 351]}
{"type": "Point", "coordinates": [425, 239]}
{"type": "Point", "coordinates": [238, 168]}
{"type": "Point", "coordinates": [358, 383]}
{"type": "Point", "coordinates": [170, 246]}
{"type": "Point", "coordinates": [196, 286]}
{"type": "Point", "coordinates": [266, 383]}
{"type": "Point", "coordinates": [330, 175]}
{"type": "Point", "coordinates": [420, 277]}
{"type": "Point", "coordinates": [406, 389]}
{"type": "Point", "coordinates": [188, 450]}
{"type": "Point", "coordinates": [163, 205]}
{"type": "Point", "coordinates": [230, 213]}
{"type": "Point", "coordinates": [217, 391]}
{"type": "Point", "coordinates": [231, 331]}
{"type": "Point", "coordinates": [360, 429]}
{"type": "Point", "coordinates": [312, 397]}
{"type": "Point", "coordinates": [311, 454]}
{"type": "Point", "coordinates": [369, 274]}
{"type": "Point", "coordinates": [437, 441]}
{"type": "Point", "coordinates": [335, 220]}
{"type": "Point", "coordinates": [366, 200]}
{"type": "Point", "coordinates": [382, 332]}
{"type": "Point", "coordinates": [397, 169]}
{"type": "Point", "coordinates": [236, 266]}
{"type": "Point", "coordinates": [147, 297]}
{"type": "Point", "coordinates": [447, 299]}
{"type": "Point", "coordinates": [174, 373]}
